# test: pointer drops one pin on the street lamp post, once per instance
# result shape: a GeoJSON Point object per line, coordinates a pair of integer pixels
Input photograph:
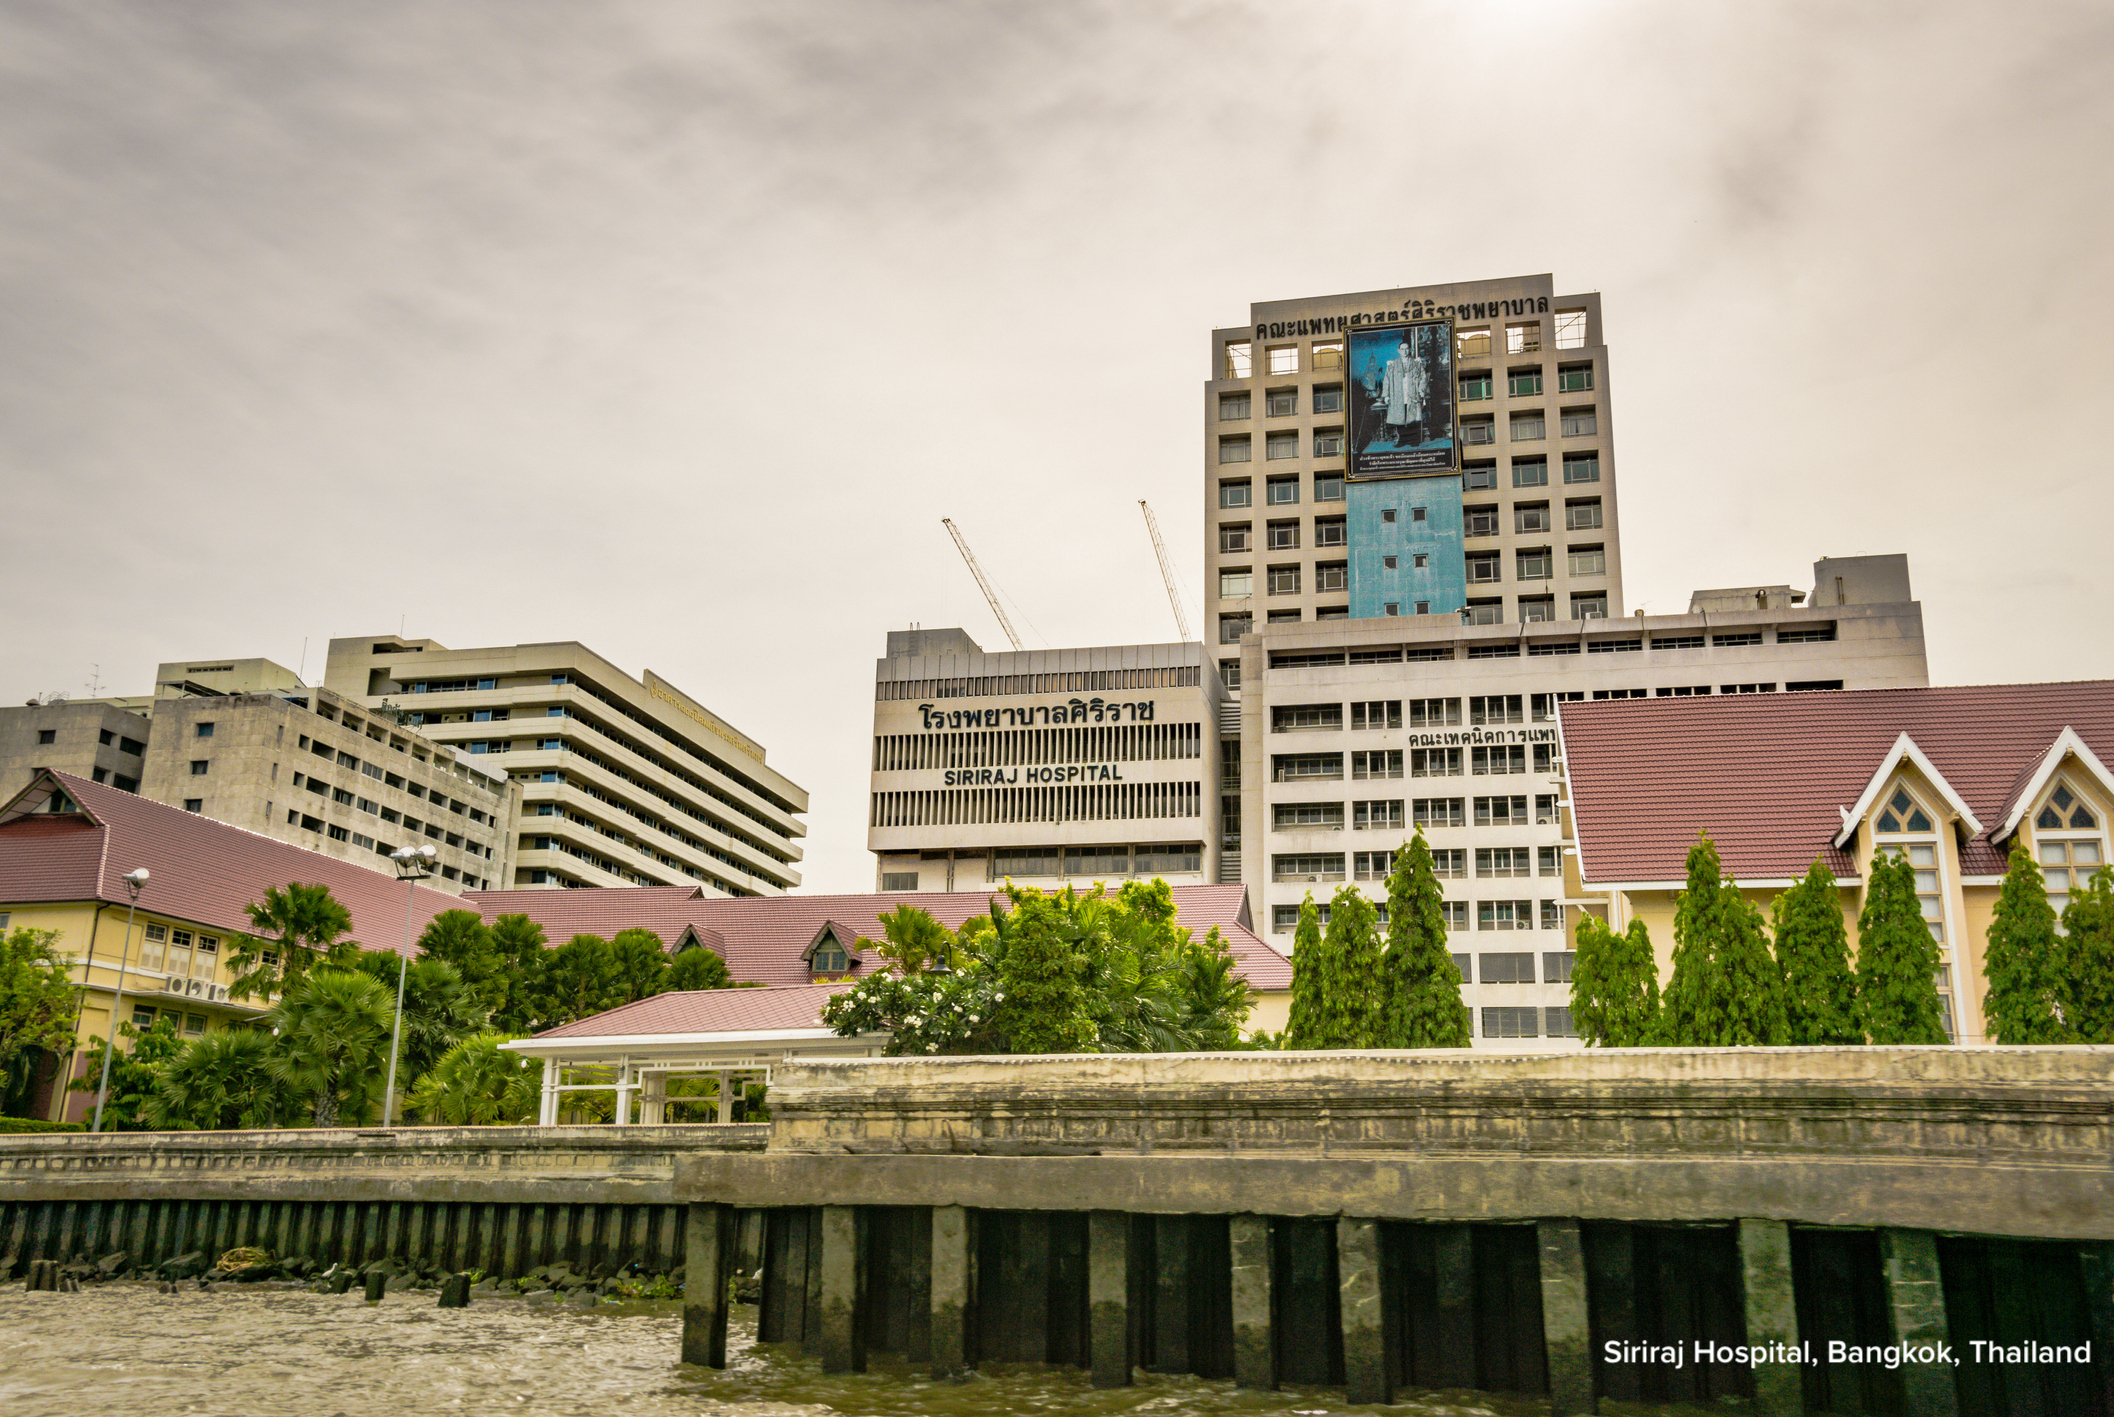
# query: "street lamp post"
{"type": "Point", "coordinates": [412, 865]}
{"type": "Point", "coordinates": [133, 881]}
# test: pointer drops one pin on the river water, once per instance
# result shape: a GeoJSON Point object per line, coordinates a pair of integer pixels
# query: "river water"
{"type": "Point", "coordinates": [124, 1348]}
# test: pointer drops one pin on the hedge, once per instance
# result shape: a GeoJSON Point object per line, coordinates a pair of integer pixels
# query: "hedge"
{"type": "Point", "coordinates": [31, 1124]}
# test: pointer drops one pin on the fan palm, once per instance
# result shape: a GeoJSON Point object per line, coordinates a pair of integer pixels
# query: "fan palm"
{"type": "Point", "coordinates": [333, 1041]}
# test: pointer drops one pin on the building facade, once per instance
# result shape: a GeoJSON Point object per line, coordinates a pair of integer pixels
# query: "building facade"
{"type": "Point", "coordinates": [1042, 766]}
{"type": "Point", "coordinates": [1355, 736]}
{"type": "Point", "coordinates": [621, 780]}
{"type": "Point", "coordinates": [98, 741]}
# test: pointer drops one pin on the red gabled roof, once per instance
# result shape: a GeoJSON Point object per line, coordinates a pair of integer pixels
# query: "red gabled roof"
{"type": "Point", "coordinates": [1768, 775]}
{"type": "Point", "coordinates": [793, 1006]}
{"type": "Point", "coordinates": [199, 870]}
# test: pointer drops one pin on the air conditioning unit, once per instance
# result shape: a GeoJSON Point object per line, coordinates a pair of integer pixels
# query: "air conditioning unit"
{"type": "Point", "coordinates": [218, 993]}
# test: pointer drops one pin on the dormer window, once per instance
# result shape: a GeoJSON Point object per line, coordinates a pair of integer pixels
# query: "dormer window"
{"type": "Point", "coordinates": [1903, 815]}
{"type": "Point", "coordinates": [830, 958]}
{"type": "Point", "coordinates": [2067, 844]}
{"type": "Point", "coordinates": [2062, 809]}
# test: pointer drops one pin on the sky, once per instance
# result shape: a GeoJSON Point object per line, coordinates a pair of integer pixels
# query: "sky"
{"type": "Point", "coordinates": [675, 328]}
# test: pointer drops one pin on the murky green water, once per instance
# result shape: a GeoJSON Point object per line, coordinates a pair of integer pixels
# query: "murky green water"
{"type": "Point", "coordinates": [125, 1348]}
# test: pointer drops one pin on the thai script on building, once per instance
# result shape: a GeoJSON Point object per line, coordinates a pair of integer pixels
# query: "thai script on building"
{"type": "Point", "coordinates": [1414, 310]}
{"type": "Point", "coordinates": [1072, 711]}
{"type": "Point", "coordinates": [1006, 777]}
{"type": "Point", "coordinates": [660, 689]}
{"type": "Point", "coordinates": [1478, 737]}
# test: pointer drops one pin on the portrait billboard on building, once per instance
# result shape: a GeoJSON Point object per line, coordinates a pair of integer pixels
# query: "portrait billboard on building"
{"type": "Point", "coordinates": [1401, 396]}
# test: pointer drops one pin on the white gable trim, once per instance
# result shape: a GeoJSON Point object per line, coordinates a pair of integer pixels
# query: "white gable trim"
{"type": "Point", "coordinates": [2066, 745]}
{"type": "Point", "coordinates": [1904, 750]}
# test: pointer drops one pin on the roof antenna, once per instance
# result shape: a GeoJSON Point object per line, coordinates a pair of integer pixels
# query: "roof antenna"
{"type": "Point", "coordinates": [304, 660]}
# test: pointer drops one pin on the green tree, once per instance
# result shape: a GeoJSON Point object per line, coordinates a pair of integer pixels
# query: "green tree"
{"type": "Point", "coordinates": [463, 939]}
{"type": "Point", "coordinates": [2088, 929]}
{"type": "Point", "coordinates": [221, 1081]}
{"type": "Point", "coordinates": [1615, 986]}
{"type": "Point", "coordinates": [477, 1083]}
{"type": "Point", "coordinates": [912, 940]}
{"type": "Point", "coordinates": [440, 1008]}
{"type": "Point", "coordinates": [1754, 1013]}
{"type": "Point", "coordinates": [572, 982]}
{"type": "Point", "coordinates": [698, 968]}
{"type": "Point", "coordinates": [38, 997]}
{"type": "Point", "coordinates": [1352, 939]}
{"type": "Point", "coordinates": [1309, 1020]}
{"type": "Point", "coordinates": [1420, 998]}
{"type": "Point", "coordinates": [2023, 960]}
{"type": "Point", "coordinates": [519, 943]}
{"type": "Point", "coordinates": [1727, 989]}
{"type": "Point", "coordinates": [1897, 961]}
{"type": "Point", "coordinates": [638, 965]}
{"type": "Point", "coordinates": [295, 929]}
{"type": "Point", "coordinates": [1813, 946]}
{"type": "Point", "coordinates": [134, 1072]}
{"type": "Point", "coordinates": [333, 1042]}
{"type": "Point", "coordinates": [1216, 998]}
{"type": "Point", "coordinates": [1042, 1005]}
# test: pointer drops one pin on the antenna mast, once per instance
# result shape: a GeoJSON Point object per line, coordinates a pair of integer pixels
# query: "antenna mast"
{"type": "Point", "coordinates": [982, 584]}
{"type": "Point", "coordinates": [1159, 548]}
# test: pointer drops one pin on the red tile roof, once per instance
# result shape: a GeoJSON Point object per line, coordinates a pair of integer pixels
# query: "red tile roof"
{"type": "Point", "coordinates": [1765, 774]}
{"type": "Point", "coordinates": [792, 1006]}
{"type": "Point", "coordinates": [199, 870]}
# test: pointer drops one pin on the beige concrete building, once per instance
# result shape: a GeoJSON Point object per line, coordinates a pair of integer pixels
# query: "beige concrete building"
{"type": "Point", "coordinates": [1355, 735]}
{"type": "Point", "coordinates": [87, 738]}
{"type": "Point", "coordinates": [1042, 766]}
{"type": "Point", "coordinates": [622, 780]}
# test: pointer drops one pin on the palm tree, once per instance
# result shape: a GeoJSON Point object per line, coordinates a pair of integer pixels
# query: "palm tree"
{"type": "Point", "coordinates": [477, 1083]}
{"type": "Point", "coordinates": [441, 1008]}
{"type": "Point", "coordinates": [296, 929]}
{"type": "Point", "coordinates": [333, 1031]}
{"type": "Point", "coordinates": [218, 1081]}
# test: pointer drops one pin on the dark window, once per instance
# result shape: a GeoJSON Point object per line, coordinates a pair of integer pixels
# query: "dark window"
{"type": "Point", "coordinates": [199, 766]}
{"type": "Point", "coordinates": [49, 735]}
{"type": "Point", "coordinates": [194, 804]}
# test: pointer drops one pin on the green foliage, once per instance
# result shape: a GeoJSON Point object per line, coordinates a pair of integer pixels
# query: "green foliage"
{"type": "Point", "coordinates": [638, 965]}
{"type": "Point", "coordinates": [518, 941]}
{"type": "Point", "coordinates": [1813, 946]}
{"type": "Point", "coordinates": [2088, 928]}
{"type": "Point", "coordinates": [1067, 972]}
{"type": "Point", "coordinates": [572, 982]}
{"type": "Point", "coordinates": [697, 968]}
{"type": "Point", "coordinates": [477, 1083]}
{"type": "Point", "coordinates": [333, 1032]}
{"type": "Point", "coordinates": [302, 927]}
{"type": "Point", "coordinates": [1897, 960]}
{"type": "Point", "coordinates": [1615, 986]}
{"type": "Point", "coordinates": [440, 1008]}
{"type": "Point", "coordinates": [38, 997]}
{"type": "Point", "coordinates": [462, 939]}
{"type": "Point", "coordinates": [1344, 977]}
{"type": "Point", "coordinates": [1420, 997]}
{"type": "Point", "coordinates": [913, 940]}
{"type": "Point", "coordinates": [1727, 989]}
{"type": "Point", "coordinates": [135, 1072]}
{"type": "Point", "coordinates": [1309, 974]}
{"type": "Point", "coordinates": [221, 1081]}
{"type": "Point", "coordinates": [2023, 960]}
{"type": "Point", "coordinates": [35, 1124]}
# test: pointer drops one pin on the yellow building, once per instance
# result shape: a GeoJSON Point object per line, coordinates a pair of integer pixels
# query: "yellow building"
{"type": "Point", "coordinates": [1950, 777]}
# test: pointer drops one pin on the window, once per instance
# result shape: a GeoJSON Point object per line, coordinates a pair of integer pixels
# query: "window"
{"type": "Point", "coordinates": [1283, 491]}
{"type": "Point", "coordinates": [1580, 422]}
{"type": "Point", "coordinates": [1376, 816]}
{"type": "Point", "coordinates": [1508, 968]}
{"type": "Point", "coordinates": [2064, 810]}
{"type": "Point", "coordinates": [1435, 762]}
{"type": "Point", "coordinates": [1328, 442]}
{"type": "Point", "coordinates": [1449, 863]}
{"type": "Point", "coordinates": [1475, 386]}
{"type": "Point", "coordinates": [1501, 811]}
{"type": "Point", "coordinates": [1471, 344]}
{"type": "Point", "coordinates": [202, 730]}
{"type": "Point", "coordinates": [1229, 672]}
{"type": "Point", "coordinates": [1240, 360]}
{"type": "Point", "coordinates": [1329, 531]}
{"type": "Point", "coordinates": [1588, 561]}
{"type": "Point", "coordinates": [1436, 812]}
{"type": "Point", "coordinates": [1548, 861]}
{"type": "Point", "coordinates": [1484, 570]}
{"type": "Point", "coordinates": [1234, 536]}
{"type": "Point", "coordinates": [1281, 403]}
{"type": "Point", "coordinates": [1284, 536]}
{"type": "Point", "coordinates": [1328, 398]}
{"type": "Point", "coordinates": [1307, 767]}
{"type": "Point", "coordinates": [1476, 432]}
{"type": "Point", "coordinates": [1501, 759]}
{"type": "Point", "coordinates": [1523, 339]}
{"type": "Point", "coordinates": [1581, 467]}
{"type": "Point", "coordinates": [1389, 563]}
{"type": "Point", "coordinates": [1530, 518]}
{"type": "Point", "coordinates": [1479, 521]}
{"type": "Point", "coordinates": [1457, 919]}
{"type": "Point", "coordinates": [1590, 607]}
{"type": "Point", "coordinates": [1529, 427]}
{"type": "Point", "coordinates": [1504, 915]}
{"type": "Point", "coordinates": [48, 736]}
{"type": "Point", "coordinates": [194, 804]}
{"type": "Point", "coordinates": [106, 738]}
{"type": "Point", "coordinates": [1523, 383]}
{"type": "Point", "coordinates": [1234, 448]}
{"type": "Point", "coordinates": [1433, 713]}
{"type": "Point", "coordinates": [1902, 814]}
{"type": "Point", "coordinates": [1621, 694]}
{"type": "Point", "coordinates": [1236, 584]}
{"type": "Point", "coordinates": [1421, 561]}
{"type": "Point", "coordinates": [1557, 1022]}
{"type": "Point", "coordinates": [1282, 359]}
{"type": "Point", "coordinates": [1387, 514]}
{"type": "Point", "coordinates": [1570, 329]}
{"type": "Point", "coordinates": [1278, 446]}
{"type": "Point", "coordinates": [1544, 809]}
{"type": "Point", "coordinates": [1574, 378]}
{"type": "Point", "coordinates": [1332, 576]}
{"type": "Point", "coordinates": [1806, 634]}
{"type": "Point", "coordinates": [1231, 408]}
{"type": "Point", "coordinates": [123, 783]}
{"type": "Point", "coordinates": [339, 833]}
{"type": "Point", "coordinates": [1496, 709]}
{"type": "Point", "coordinates": [1328, 487]}
{"type": "Point", "coordinates": [199, 766]}
{"type": "Point", "coordinates": [1394, 607]}
{"type": "Point", "coordinates": [1530, 472]}
{"type": "Point", "coordinates": [1379, 763]}
{"type": "Point", "coordinates": [1324, 866]}
{"type": "Point", "coordinates": [1536, 610]}
{"type": "Point", "coordinates": [1307, 816]}
{"type": "Point", "coordinates": [1232, 627]}
{"type": "Point", "coordinates": [1296, 718]}
{"type": "Point", "coordinates": [1478, 476]}
{"type": "Point", "coordinates": [1236, 494]}
{"type": "Point", "coordinates": [1284, 580]}
{"type": "Point", "coordinates": [1025, 861]}
{"type": "Point", "coordinates": [2066, 865]}
{"type": "Point", "coordinates": [1504, 861]}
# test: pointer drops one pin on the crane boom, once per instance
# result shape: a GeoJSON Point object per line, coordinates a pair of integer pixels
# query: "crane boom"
{"type": "Point", "coordinates": [982, 584]}
{"type": "Point", "coordinates": [1159, 548]}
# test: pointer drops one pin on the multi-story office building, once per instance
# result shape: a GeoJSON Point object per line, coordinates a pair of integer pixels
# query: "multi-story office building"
{"type": "Point", "coordinates": [1355, 736]}
{"type": "Point", "coordinates": [87, 738]}
{"type": "Point", "coordinates": [622, 781]}
{"type": "Point", "coordinates": [1043, 765]}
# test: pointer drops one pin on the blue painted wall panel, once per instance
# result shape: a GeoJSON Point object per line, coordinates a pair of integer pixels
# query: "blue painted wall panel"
{"type": "Point", "coordinates": [1442, 583]}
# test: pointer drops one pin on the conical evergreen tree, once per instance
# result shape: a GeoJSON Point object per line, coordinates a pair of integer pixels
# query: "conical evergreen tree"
{"type": "Point", "coordinates": [1813, 946]}
{"type": "Point", "coordinates": [2088, 959]}
{"type": "Point", "coordinates": [1754, 1012]}
{"type": "Point", "coordinates": [2023, 961]}
{"type": "Point", "coordinates": [1422, 1005]}
{"type": "Point", "coordinates": [1694, 1001]}
{"type": "Point", "coordinates": [1303, 1028]}
{"type": "Point", "coordinates": [1897, 961]}
{"type": "Point", "coordinates": [1352, 945]}
{"type": "Point", "coordinates": [1615, 986]}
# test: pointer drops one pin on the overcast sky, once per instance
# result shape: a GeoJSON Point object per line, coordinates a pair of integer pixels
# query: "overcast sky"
{"type": "Point", "coordinates": [675, 328]}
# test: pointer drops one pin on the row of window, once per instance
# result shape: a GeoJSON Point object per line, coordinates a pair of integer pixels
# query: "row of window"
{"type": "Point", "coordinates": [1496, 811]}
{"type": "Point", "coordinates": [1530, 426]}
{"type": "Point", "coordinates": [1460, 914]}
{"type": "Point", "coordinates": [1483, 710]}
{"type": "Point", "coordinates": [1524, 337]}
{"type": "Point", "coordinates": [1476, 385]}
{"type": "Point", "coordinates": [1283, 489]}
{"type": "Point", "coordinates": [975, 806]}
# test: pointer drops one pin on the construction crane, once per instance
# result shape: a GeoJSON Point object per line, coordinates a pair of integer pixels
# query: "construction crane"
{"type": "Point", "coordinates": [1159, 548]}
{"type": "Point", "coordinates": [982, 584]}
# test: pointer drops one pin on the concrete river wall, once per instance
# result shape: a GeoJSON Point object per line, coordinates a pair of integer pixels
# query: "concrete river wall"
{"type": "Point", "coordinates": [1555, 1225]}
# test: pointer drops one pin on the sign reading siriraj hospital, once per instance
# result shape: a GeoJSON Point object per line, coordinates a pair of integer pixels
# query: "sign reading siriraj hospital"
{"type": "Point", "coordinates": [1401, 396]}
